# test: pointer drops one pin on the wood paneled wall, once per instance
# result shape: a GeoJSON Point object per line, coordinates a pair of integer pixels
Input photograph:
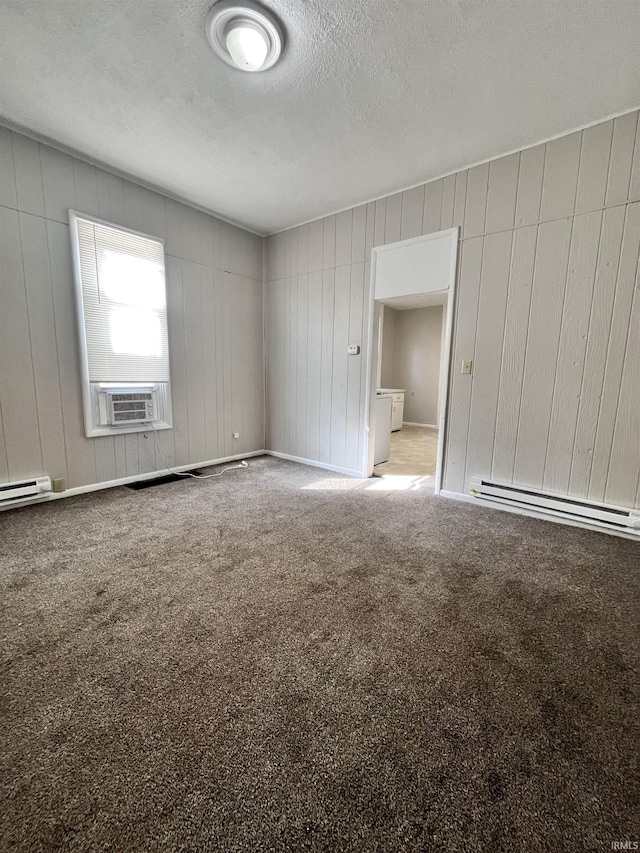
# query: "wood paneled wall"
{"type": "Point", "coordinates": [548, 308]}
{"type": "Point", "coordinates": [214, 283]}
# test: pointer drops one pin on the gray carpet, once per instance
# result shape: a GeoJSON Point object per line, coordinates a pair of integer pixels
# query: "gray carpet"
{"type": "Point", "coordinates": [244, 664]}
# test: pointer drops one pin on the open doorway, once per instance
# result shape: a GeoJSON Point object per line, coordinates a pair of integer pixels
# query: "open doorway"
{"type": "Point", "coordinates": [411, 324]}
{"type": "Point", "coordinates": [409, 359]}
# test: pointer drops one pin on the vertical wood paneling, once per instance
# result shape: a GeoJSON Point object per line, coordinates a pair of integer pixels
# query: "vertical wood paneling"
{"type": "Point", "coordinates": [354, 364]}
{"type": "Point", "coordinates": [494, 284]}
{"type": "Point", "coordinates": [315, 247]}
{"type": "Point", "coordinates": [210, 385]}
{"type": "Point", "coordinates": [41, 325]}
{"type": "Point", "coordinates": [207, 248]}
{"type": "Point", "coordinates": [542, 347]}
{"type": "Point", "coordinates": [364, 368]}
{"type": "Point", "coordinates": [594, 167]}
{"type": "Point", "coordinates": [28, 175]}
{"type": "Point", "coordinates": [432, 207]}
{"type": "Point", "coordinates": [501, 196]}
{"type": "Point", "coordinates": [303, 249]}
{"type": "Point", "coordinates": [619, 329]}
{"type": "Point", "coordinates": [571, 352]}
{"type": "Point", "coordinates": [380, 222]}
{"type": "Point", "coordinates": [329, 242]}
{"type": "Point", "coordinates": [314, 365]}
{"type": "Point", "coordinates": [543, 309]}
{"type": "Point", "coordinates": [596, 350]}
{"type": "Point", "coordinates": [622, 145]}
{"type": "Point", "coordinates": [460, 199]}
{"type": "Point", "coordinates": [58, 184]}
{"type": "Point", "coordinates": [274, 353]}
{"type": "Point", "coordinates": [513, 353]}
{"type": "Point", "coordinates": [215, 335]}
{"type": "Point", "coordinates": [301, 365]}
{"type": "Point", "coordinates": [17, 389]}
{"type": "Point", "coordinates": [463, 348]}
{"type": "Point", "coordinates": [192, 302]}
{"type": "Point", "coordinates": [560, 179]}
{"type": "Point", "coordinates": [86, 184]}
{"type": "Point", "coordinates": [155, 220]}
{"type": "Point", "coordinates": [104, 454]}
{"type": "Point", "coordinates": [412, 213]}
{"type": "Point", "coordinates": [190, 220]}
{"type": "Point", "coordinates": [238, 325]}
{"type": "Point", "coordinates": [634, 182]}
{"type": "Point", "coordinates": [175, 321]}
{"type": "Point", "coordinates": [8, 194]}
{"type": "Point", "coordinates": [326, 364]}
{"type": "Point", "coordinates": [530, 185]}
{"type": "Point", "coordinates": [344, 223]}
{"type": "Point", "coordinates": [393, 218]}
{"type": "Point", "coordinates": [622, 477]}
{"type": "Point", "coordinates": [230, 393]}
{"type": "Point", "coordinates": [476, 201]}
{"type": "Point", "coordinates": [370, 230]}
{"type": "Point", "coordinates": [4, 463]}
{"type": "Point", "coordinates": [339, 378]}
{"type": "Point", "coordinates": [448, 197]}
{"type": "Point", "coordinates": [110, 197]}
{"type": "Point", "coordinates": [358, 233]}
{"type": "Point", "coordinates": [134, 207]}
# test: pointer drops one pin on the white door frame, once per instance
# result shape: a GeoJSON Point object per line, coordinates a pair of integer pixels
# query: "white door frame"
{"type": "Point", "coordinates": [373, 342]}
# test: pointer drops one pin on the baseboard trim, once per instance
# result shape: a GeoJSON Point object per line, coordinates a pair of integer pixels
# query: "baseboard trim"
{"type": "Point", "coordinates": [315, 464]}
{"type": "Point", "coordinates": [533, 513]}
{"type": "Point", "coordinates": [125, 481]}
{"type": "Point", "coordinates": [411, 423]}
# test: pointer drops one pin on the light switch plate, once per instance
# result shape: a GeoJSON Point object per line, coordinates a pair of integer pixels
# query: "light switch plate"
{"type": "Point", "coordinates": [466, 366]}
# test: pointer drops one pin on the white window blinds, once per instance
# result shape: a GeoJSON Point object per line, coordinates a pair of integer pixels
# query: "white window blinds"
{"type": "Point", "coordinates": [124, 303]}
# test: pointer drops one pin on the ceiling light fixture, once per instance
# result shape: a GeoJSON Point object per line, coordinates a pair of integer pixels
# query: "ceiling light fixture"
{"type": "Point", "coordinates": [244, 35]}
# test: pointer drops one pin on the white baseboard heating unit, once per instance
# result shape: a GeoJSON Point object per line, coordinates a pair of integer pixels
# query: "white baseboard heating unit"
{"type": "Point", "coordinates": [575, 509]}
{"type": "Point", "coordinates": [24, 489]}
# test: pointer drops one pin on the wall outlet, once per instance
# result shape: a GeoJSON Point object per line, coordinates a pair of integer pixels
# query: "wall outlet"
{"type": "Point", "coordinates": [353, 349]}
{"type": "Point", "coordinates": [236, 435]}
{"type": "Point", "coordinates": [58, 485]}
{"type": "Point", "coordinates": [466, 366]}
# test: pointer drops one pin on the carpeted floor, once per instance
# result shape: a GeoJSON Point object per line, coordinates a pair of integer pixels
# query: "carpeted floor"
{"type": "Point", "coordinates": [283, 660]}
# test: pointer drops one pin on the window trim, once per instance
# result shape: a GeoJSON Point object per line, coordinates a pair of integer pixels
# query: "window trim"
{"type": "Point", "coordinates": [94, 429]}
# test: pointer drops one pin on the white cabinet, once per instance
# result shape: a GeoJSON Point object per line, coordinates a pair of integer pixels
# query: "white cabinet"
{"type": "Point", "coordinates": [397, 412]}
{"type": "Point", "coordinates": [382, 428]}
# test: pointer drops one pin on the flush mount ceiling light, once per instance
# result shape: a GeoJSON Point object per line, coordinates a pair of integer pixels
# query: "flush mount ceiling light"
{"type": "Point", "coordinates": [244, 35]}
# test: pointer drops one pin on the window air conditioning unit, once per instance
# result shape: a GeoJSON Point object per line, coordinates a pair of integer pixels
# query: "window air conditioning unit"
{"type": "Point", "coordinates": [126, 406]}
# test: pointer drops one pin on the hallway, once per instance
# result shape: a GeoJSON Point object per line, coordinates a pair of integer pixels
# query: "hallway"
{"type": "Point", "coordinates": [414, 450]}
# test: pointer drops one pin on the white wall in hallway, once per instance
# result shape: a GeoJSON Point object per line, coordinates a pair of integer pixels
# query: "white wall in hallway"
{"type": "Point", "coordinates": [548, 309]}
{"type": "Point", "coordinates": [214, 288]}
{"type": "Point", "coordinates": [388, 349]}
{"type": "Point", "coordinates": [417, 362]}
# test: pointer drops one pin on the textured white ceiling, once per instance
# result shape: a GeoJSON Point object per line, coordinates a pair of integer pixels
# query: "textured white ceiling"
{"type": "Point", "coordinates": [370, 97]}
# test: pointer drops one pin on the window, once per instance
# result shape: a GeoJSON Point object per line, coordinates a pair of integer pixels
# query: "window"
{"type": "Point", "coordinates": [122, 318]}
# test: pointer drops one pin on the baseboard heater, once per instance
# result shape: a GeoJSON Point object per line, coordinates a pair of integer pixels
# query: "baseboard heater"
{"type": "Point", "coordinates": [602, 515]}
{"type": "Point", "coordinates": [24, 489]}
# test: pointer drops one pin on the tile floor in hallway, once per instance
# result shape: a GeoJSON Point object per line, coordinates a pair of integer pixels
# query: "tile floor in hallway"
{"type": "Point", "coordinates": [414, 451]}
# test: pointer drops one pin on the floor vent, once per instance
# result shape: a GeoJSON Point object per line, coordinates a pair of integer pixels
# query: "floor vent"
{"type": "Point", "coordinates": [22, 489]}
{"type": "Point", "coordinates": [603, 515]}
